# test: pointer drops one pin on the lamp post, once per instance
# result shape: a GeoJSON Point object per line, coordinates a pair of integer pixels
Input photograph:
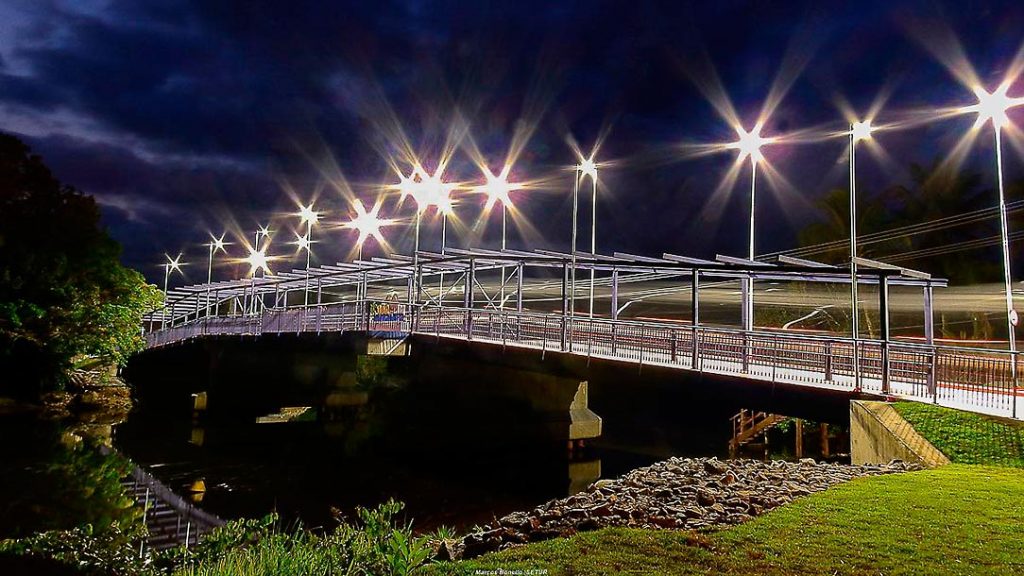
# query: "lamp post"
{"type": "Point", "coordinates": [172, 265]}
{"type": "Point", "coordinates": [410, 187]}
{"type": "Point", "coordinates": [993, 106]}
{"type": "Point", "coordinates": [309, 218]}
{"type": "Point", "coordinates": [589, 168]}
{"type": "Point", "coordinates": [575, 211]}
{"type": "Point", "coordinates": [216, 244]}
{"type": "Point", "coordinates": [497, 190]}
{"type": "Point", "coordinates": [858, 131]}
{"type": "Point", "coordinates": [256, 256]}
{"type": "Point", "coordinates": [436, 192]}
{"type": "Point", "coordinates": [257, 261]}
{"type": "Point", "coordinates": [368, 223]}
{"type": "Point", "coordinates": [749, 144]}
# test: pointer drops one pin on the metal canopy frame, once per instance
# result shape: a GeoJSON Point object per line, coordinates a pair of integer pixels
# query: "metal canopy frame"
{"type": "Point", "coordinates": [622, 267]}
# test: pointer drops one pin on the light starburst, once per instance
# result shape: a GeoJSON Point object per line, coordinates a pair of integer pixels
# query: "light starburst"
{"type": "Point", "coordinates": [174, 264]}
{"type": "Point", "coordinates": [258, 260]}
{"type": "Point", "coordinates": [750, 143]}
{"type": "Point", "coordinates": [367, 222]}
{"type": "Point", "coordinates": [303, 241]}
{"type": "Point", "coordinates": [861, 130]}
{"type": "Point", "coordinates": [308, 215]}
{"type": "Point", "coordinates": [218, 244]}
{"type": "Point", "coordinates": [993, 106]}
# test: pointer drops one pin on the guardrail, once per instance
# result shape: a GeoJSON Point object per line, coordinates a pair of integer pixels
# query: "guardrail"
{"type": "Point", "coordinates": [971, 378]}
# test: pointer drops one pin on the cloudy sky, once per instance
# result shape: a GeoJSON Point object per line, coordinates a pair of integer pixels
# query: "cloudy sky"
{"type": "Point", "coordinates": [184, 118]}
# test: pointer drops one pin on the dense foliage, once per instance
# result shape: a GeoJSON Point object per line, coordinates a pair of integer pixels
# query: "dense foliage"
{"type": "Point", "coordinates": [63, 292]}
{"type": "Point", "coordinates": [375, 544]}
{"type": "Point", "coordinates": [935, 201]}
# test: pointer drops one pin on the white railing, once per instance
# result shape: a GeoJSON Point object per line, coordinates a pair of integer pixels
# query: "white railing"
{"type": "Point", "coordinates": [975, 379]}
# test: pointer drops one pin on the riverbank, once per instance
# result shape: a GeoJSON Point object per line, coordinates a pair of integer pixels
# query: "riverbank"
{"type": "Point", "coordinates": [957, 519]}
{"type": "Point", "coordinates": [92, 394]}
{"type": "Point", "coordinates": [684, 493]}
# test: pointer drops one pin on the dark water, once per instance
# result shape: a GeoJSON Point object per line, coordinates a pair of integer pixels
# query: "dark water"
{"type": "Point", "coordinates": [457, 442]}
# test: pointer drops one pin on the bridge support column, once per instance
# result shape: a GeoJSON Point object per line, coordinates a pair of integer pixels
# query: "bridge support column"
{"type": "Point", "coordinates": [695, 319]}
{"type": "Point", "coordinates": [747, 301]}
{"type": "Point", "coordinates": [883, 313]}
{"type": "Point", "coordinates": [519, 288]}
{"type": "Point", "coordinates": [565, 306]}
{"type": "Point", "coordinates": [468, 298]}
{"type": "Point", "coordinates": [319, 299]}
{"type": "Point", "coordinates": [615, 308]}
{"type": "Point", "coordinates": [615, 294]}
{"type": "Point", "coordinates": [929, 339]}
{"type": "Point", "coordinates": [747, 317]}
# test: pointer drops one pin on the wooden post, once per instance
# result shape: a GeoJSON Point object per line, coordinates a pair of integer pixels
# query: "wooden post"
{"type": "Point", "coordinates": [824, 440]}
{"type": "Point", "coordinates": [799, 438]}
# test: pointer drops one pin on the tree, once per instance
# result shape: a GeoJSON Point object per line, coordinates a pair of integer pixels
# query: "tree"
{"type": "Point", "coordinates": [63, 292]}
{"type": "Point", "coordinates": [935, 192]}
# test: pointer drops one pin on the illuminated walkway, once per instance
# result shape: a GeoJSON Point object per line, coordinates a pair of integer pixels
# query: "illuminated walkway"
{"type": "Point", "coordinates": [980, 380]}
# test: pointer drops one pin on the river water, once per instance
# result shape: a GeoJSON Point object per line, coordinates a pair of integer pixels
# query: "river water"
{"type": "Point", "coordinates": [458, 454]}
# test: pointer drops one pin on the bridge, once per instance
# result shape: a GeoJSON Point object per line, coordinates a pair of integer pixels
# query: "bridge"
{"type": "Point", "coordinates": [561, 303]}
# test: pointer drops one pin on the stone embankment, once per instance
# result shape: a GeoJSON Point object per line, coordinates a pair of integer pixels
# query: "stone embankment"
{"type": "Point", "coordinates": [685, 493]}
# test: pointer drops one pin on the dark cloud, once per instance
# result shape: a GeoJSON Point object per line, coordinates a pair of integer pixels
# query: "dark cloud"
{"type": "Point", "coordinates": [187, 110]}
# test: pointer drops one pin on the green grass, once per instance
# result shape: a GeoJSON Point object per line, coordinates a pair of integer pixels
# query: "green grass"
{"type": "Point", "coordinates": [965, 437]}
{"type": "Point", "coordinates": [953, 520]}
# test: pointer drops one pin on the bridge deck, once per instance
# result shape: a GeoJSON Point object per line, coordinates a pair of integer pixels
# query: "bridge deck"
{"type": "Point", "coordinates": [978, 380]}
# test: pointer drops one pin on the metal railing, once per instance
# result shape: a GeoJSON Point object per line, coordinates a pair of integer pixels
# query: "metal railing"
{"type": "Point", "coordinates": [971, 378]}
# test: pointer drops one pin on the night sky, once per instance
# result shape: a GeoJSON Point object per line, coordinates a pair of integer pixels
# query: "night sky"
{"type": "Point", "coordinates": [184, 118]}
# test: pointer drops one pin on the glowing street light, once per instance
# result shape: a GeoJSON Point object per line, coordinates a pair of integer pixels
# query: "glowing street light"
{"type": "Point", "coordinates": [993, 106]}
{"type": "Point", "coordinates": [498, 189]}
{"type": "Point", "coordinates": [437, 193]}
{"type": "Point", "coordinates": [368, 225]}
{"type": "Point", "coordinates": [749, 145]}
{"type": "Point", "coordinates": [216, 244]}
{"type": "Point", "coordinates": [586, 167]}
{"type": "Point", "coordinates": [261, 232]}
{"type": "Point", "coordinates": [860, 130]}
{"type": "Point", "coordinates": [172, 265]}
{"type": "Point", "coordinates": [309, 217]}
{"type": "Point", "coordinates": [258, 260]}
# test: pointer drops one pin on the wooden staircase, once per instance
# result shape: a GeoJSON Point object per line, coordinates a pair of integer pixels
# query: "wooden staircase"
{"type": "Point", "coordinates": [748, 425]}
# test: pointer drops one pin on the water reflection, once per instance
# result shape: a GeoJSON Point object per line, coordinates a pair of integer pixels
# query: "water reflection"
{"type": "Point", "coordinates": [54, 476]}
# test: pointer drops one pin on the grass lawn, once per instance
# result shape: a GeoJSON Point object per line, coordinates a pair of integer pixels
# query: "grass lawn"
{"type": "Point", "coordinates": [954, 520]}
{"type": "Point", "coordinates": [965, 437]}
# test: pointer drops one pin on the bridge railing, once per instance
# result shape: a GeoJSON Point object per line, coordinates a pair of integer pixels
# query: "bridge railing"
{"type": "Point", "coordinates": [971, 378]}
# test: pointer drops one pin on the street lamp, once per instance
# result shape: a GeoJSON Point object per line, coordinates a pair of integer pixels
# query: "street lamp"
{"type": "Point", "coordinates": [409, 186]}
{"type": "Point", "coordinates": [749, 145]}
{"type": "Point", "coordinates": [309, 218]}
{"type": "Point", "coordinates": [261, 232]}
{"type": "Point", "coordinates": [993, 106]}
{"type": "Point", "coordinates": [368, 224]}
{"type": "Point", "coordinates": [435, 192]}
{"type": "Point", "coordinates": [216, 244]}
{"type": "Point", "coordinates": [860, 130]}
{"type": "Point", "coordinates": [172, 265]}
{"type": "Point", "coordinates": [497, 190]}
{"type": "Point", "coordinates": [586, 167]}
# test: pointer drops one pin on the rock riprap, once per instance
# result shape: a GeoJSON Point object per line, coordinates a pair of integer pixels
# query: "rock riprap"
{"type": "Point", "coordinates": [684, 493]}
